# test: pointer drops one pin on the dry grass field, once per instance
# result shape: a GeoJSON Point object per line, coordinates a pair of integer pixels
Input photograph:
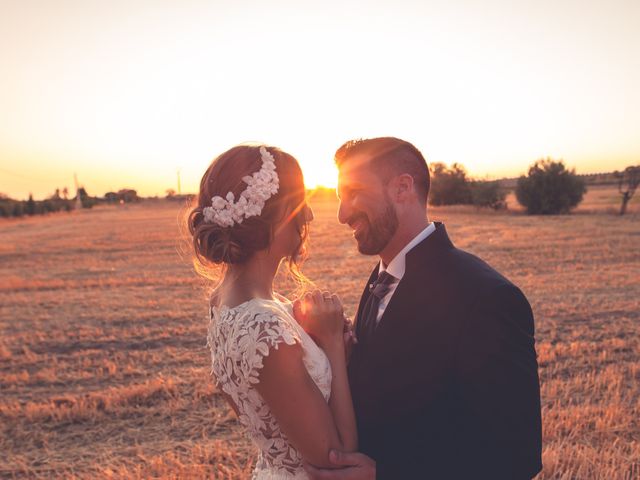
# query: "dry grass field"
{"type": "Point", "coordinates": [104, 370]}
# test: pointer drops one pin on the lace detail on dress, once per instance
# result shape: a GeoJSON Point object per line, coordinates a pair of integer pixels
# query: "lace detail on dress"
{"type": "Point", "coordinates": [239, 339]}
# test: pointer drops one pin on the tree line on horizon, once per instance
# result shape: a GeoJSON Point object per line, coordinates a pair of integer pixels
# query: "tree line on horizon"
{"type": "Point", "coordinates": [548, 188]}
{"type": "Point", "coordinates": [60, 201]}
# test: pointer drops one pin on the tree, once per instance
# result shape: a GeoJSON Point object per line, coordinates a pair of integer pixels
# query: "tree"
{"type": "Point", "coordinates": [85, 199]}
{"type": "Point", "coordinates": [6, 205]}
{"type": "Point", "coordinates": [449, 186]}
{"type": "Point", "coordinates": [65, 193]}
{"type": "Point", "coordinates": [30, 208]}
{"type": "Point", "coordinates": [488, 194]}
{"type": "Point", "coordinates": [18, 209]}
{"type": "Point", "coordinates": [549, 188]}
{"type": "Point", "coordinates": [628, 181]}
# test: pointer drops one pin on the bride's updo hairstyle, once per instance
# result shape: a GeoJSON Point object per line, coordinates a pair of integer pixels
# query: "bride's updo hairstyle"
{"type": "Point", "coordinates": [215, 245]}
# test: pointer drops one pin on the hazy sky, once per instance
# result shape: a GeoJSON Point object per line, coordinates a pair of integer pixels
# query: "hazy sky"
{"type": "Point", "coordinates": [125, 93]}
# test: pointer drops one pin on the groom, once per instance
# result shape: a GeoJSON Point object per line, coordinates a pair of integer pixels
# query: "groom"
{"type": "Point", "coordinates": [444, 377]}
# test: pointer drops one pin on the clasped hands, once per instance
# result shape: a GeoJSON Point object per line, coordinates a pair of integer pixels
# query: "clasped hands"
{"type": "Point", "coordinates": [321, 315]}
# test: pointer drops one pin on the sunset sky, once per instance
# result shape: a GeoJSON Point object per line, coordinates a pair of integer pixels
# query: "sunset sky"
{"type": "Point", "coordinates": [125, 93]}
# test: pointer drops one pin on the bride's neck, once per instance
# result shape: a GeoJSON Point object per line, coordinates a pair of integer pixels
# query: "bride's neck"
{"type": "Point", "coordinates": [253, 278]}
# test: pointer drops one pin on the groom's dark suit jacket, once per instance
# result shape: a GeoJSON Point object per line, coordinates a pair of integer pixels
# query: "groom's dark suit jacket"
{"type": "Point", "coordinates": [447, 387]}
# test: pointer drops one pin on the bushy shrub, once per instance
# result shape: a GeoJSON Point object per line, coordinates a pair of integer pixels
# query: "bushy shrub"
{"type": "Point", "coordinates": [449, 186]}
{"type": "Point", "coordinates": [488, 194]}
{"type": "Point", "coordinates": [549, 188]}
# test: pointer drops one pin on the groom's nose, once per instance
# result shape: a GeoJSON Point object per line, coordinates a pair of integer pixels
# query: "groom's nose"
{"type": "Point", "coordinates": [344, 212]}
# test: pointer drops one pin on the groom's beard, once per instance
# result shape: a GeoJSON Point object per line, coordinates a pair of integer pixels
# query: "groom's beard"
{"type": "Point", "coordinates": [376, 235]}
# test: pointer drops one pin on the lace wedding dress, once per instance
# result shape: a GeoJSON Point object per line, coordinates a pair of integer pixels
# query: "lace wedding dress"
{"type": "Point", "coordinates": [239, 338]}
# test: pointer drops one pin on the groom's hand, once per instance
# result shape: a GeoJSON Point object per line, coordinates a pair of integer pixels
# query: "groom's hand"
{"type": "Point", "coordinates": [349, 337]}
{"type": "Point", "coordinates": [349, 466]}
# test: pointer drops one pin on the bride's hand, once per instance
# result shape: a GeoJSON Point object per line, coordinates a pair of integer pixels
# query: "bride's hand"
{"type": "Point", "coordinates": [321, 315]}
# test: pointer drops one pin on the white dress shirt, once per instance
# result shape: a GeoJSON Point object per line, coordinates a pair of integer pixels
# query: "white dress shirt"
{"type": "Point", "coordinates": [397, 266]}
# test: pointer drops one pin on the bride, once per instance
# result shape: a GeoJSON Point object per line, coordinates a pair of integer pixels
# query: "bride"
{"type": "Point", "coordinates": [280, 365]}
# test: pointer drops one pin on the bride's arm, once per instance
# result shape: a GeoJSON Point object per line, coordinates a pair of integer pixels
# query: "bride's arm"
{"type": "Point", "coordinates": [340, 401]}
{"type": "Point", "coordinates": [313, 426]}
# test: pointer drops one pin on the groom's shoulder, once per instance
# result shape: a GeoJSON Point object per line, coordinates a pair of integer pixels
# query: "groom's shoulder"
{"type": "Point", "coordinates": [487, 285]}
{"type": "Point", "coordinates": [471, 266]}
{"type": "Point", "coordinates": [438, 256]}
{"type": "Point", "coordinates": [467, 272]}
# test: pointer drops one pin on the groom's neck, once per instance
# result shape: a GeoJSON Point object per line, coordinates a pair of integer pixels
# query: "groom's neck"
{"type": "Point", "coordinates": [408, 229]}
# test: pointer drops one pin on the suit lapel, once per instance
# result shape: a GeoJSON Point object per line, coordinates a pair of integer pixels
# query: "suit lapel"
{"type": "Point", "coordinates": [364, 298]}
{"type": "Point", "coordinates": [398, 305]}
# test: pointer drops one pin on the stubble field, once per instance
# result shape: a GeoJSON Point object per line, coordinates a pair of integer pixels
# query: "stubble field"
{"type": "Point", "coordinates": [104, 370]}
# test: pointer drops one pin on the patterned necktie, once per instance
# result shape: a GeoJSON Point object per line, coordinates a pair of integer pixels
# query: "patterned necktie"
{"type": "Point", "coordinates": [369, 319]}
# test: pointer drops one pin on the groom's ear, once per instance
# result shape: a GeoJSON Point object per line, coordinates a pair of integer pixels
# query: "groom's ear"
{"type": "Point", "coordinates": [402, 188]}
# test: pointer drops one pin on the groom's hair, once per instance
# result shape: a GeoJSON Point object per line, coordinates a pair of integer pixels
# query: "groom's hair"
{"type": "Point", "coordinates": [390, 157]}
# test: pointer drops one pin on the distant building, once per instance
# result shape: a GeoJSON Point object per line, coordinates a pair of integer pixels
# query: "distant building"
{"type": "Point", "coordinates": [111, 197]}
{"type": "Point", "coordinates": [125, 195]}
{"type": "Point", "coordinates": [128, 196]}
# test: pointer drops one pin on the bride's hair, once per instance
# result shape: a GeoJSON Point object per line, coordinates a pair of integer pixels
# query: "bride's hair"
{"type": "Point", "coordinates": [215, 245]}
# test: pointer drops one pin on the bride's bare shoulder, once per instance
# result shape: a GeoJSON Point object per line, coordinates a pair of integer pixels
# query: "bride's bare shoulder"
{"type": "Point", "coordinates": [281, 298]}
{"type": "Point", "coordinates": [228, 298]}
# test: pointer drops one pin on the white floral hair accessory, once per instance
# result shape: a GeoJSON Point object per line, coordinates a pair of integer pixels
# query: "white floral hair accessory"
{"type": "Point", "coordinates": [262, 185]}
